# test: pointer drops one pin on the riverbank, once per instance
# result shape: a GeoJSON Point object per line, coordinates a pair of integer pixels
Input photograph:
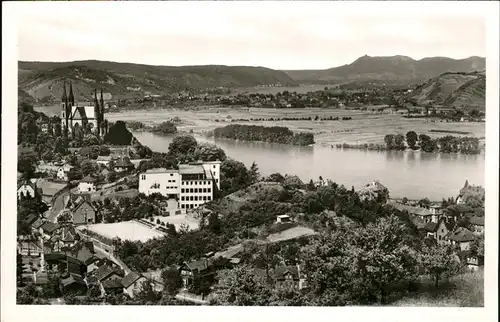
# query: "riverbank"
{"type": "Point", "coordinates": [363, 127]}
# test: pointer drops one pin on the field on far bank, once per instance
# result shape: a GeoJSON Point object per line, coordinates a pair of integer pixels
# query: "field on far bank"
{"type": "Point", "coordinates": [301, 89]}
{"type": "Point", "coordinates": [365, 126]}
{"type": "Point", "coordinates": [126, 230]}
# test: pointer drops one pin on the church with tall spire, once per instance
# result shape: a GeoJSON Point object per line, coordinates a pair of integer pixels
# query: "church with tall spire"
{"type": "Point", "coordinates": [86, 116]}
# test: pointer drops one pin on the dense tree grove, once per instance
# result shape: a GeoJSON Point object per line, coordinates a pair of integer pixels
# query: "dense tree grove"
{"type": "Point", "coordinates": [118, 134]}
{"type": "Point", "coordinates": [275, 134]}
{"type": "Point", "coordinates": [165, 128]}
{"type": "Point", "coordinates": [446, 144]}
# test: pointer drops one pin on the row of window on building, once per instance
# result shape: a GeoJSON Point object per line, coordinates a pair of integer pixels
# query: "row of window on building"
{"type": "Point", "coordinates": [191, 206]}
{"type": "Point", "coordinates": [157, 186]}
{"type": "Point", "coordinates": [190, 183]}
{"type": "Point", "coordinates": [196, 198]}
{"type": "Point", "coordinates": [196, 190]}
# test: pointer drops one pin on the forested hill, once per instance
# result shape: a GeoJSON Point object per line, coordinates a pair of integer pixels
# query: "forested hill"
{"type": "Point", "coordinates": [402, 68]}
{"type": "Point", "coordinates": [44, 80]}
{"type": "Point", "coordinates": [461, 90]}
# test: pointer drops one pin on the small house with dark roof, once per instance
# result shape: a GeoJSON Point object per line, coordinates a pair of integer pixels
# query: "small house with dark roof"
{"type": "Point", "coordinates": [438, 231]}
{"type": "Point", "coordinates": [106, 272]}
{"type": "Point", "coordinates": [29, 247]}
{"type": "Point", "coordinates": [112, 286]}
{"type": "Point", "coordinates": [73, 284]}
{"type": "Point", "coordinates": [194, 271]}
{"type": "Point", "coordinates": [132, 283]}
{"type": "Point", "coordinates": [62, 172]}
{"type": "Point", "coordinates": [286, 276]}
{"type": "Point", "coordinates": [462, 238]}
{"type": "Point", "coordinates": [87, 184]}
{"type": "Point", "coordinates": [477, 224]}
{"type": "Point", "coordinates": [81, 209]}
{"type": "Point", "coordinates": [373, 190]}
{"type": "Point", "coordinates": [123, 165]}
{"type": "Point", "coordinates": [48, 228]}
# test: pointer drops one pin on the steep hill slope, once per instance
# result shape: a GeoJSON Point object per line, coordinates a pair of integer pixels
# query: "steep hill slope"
{"type": "Point", "coordinates": [43, 80]}
{"type": "Point", "coordinates": [461, 90]}
{"type": "Point", "coordinates": [402, 68]}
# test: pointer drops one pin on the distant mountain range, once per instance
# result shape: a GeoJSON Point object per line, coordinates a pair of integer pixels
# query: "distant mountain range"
{"type": "Point", "coordinates": [460, 90]}
{"type": "Point", "coordinates": [393, 68]}
{"type": "Point", "coordinates": [43, 81]}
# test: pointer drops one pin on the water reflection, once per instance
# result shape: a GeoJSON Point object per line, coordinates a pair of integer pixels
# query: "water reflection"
{"type": "Point", "coordinates": [413, 174]}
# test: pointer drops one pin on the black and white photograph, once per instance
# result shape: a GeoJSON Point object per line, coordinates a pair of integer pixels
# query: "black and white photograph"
{"type": "Point", "coordinates": [271, 154]}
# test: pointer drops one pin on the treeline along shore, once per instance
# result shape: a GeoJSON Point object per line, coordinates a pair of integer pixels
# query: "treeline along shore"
{"type": "Point", "coordinates": [273, 134]}
{"type": "Point", "coordinates": [422, 142]}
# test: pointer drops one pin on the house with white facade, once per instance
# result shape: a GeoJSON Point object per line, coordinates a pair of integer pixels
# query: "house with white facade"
{"type": "Point", "coordinates": [87, 184]}
{"type": "Point", "coordinates": [62, 172]}
{"type": "Point", "coordinates": [27, 189]}
{"type": "Point", "coordinates": [191, 185]}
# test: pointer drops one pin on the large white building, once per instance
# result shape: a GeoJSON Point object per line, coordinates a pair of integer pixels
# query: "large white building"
{"type": "Point", "coordinates": [191, 185]}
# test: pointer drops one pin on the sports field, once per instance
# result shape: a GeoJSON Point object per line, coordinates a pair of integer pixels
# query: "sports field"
{"type": "Point", "coordinates": [126, 230]}
{"type": "Point", "coordinates": [178, 220]}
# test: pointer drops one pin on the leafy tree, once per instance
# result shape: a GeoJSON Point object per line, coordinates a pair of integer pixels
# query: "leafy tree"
{"type": "Point", "coordinates": [254, 173]}
{"type": "Point", "coordinates": [182, 145]}
{"type": "Point", "coordinates": [389, 140]}
{"type": "Point", "coordinates": [293, 182]}
{"type": "Point", "coordinates": [118, 134]}
{"type": "Point", "coordinates": [411, 139]}
{"type": "Point", "coordinates": [88, 167]}
{"type": "Point", "coordinates": [439, 262]}
{"type": "Point", "coordinates": [171, 280]}
{"type": "Point", "coordinates": [234, 176]}
{"type": "Point", "coordinates": [241, 287]}
{"type": "Point", "coordinates": [276, 177]}
{"type": "Point", "coordinates": [209, 152]}
{"type": "Point", "coordinates": [399, 141]}
{"type": "Point", "coordinates": [26, 163]}
{"type": "Point", "coordinates": [90, 140]}
{"type": "Point", "coordinates": [147, 294]}
{"type": "Point", "coordinates": [64, 218]}
{"type": "Point", "coordinates": [165, 128]}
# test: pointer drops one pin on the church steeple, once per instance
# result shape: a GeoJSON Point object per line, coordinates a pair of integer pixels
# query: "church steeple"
{"type": "Point", "coordinates": [71, 97]}
{"type": "Point", "coordinates": [64, 96]}
{"type": "Point", "coordinates": [101, 114]}
{"type": "Point", "coordinates": [97, 113]}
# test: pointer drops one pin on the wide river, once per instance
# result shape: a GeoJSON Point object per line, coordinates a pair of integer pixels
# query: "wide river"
{"type": "Point", "coordinates": [407, 174]}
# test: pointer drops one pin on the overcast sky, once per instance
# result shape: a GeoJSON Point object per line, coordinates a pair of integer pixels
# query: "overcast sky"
{"type": "Point", "coordinates": [277, 35]}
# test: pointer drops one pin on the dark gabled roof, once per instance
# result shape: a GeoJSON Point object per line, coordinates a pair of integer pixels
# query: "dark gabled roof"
{"type": "Point", "coordinates": [431, 227]}
{"type": "Point", "coordinates": [91, 260]}
{"type": "Point", "coordinates": [30, 219]}
{"type": "Point", "coordinates": [200, 264]}
{"type": "Point", "coordinates": [280, 272]}
{"type": "Point", "coordinates": [123, 162]}
{"type": "Point", "coordinates": [462, 234]}
{"type": "Point", "coordinates": [73, 279]}
{"type": "Point", "coordinates": [49, 227]}
{"type": "Point", "coordinates": [478, 221]}
{"type": "Point", "coordinates": [38, 223]}
{"type": "Point", "coordinates": [91, 279]}
{"type": "Point", "coordinates": [111, 284]}
{"type": "Point", "coordinates": [130, 279]}
{"type": "Point", "coordinates": [88, 179]}
{"type": "Point", "coordinates": [105, 271]}
{"type": "Point", "coordinates": [54, 257]}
